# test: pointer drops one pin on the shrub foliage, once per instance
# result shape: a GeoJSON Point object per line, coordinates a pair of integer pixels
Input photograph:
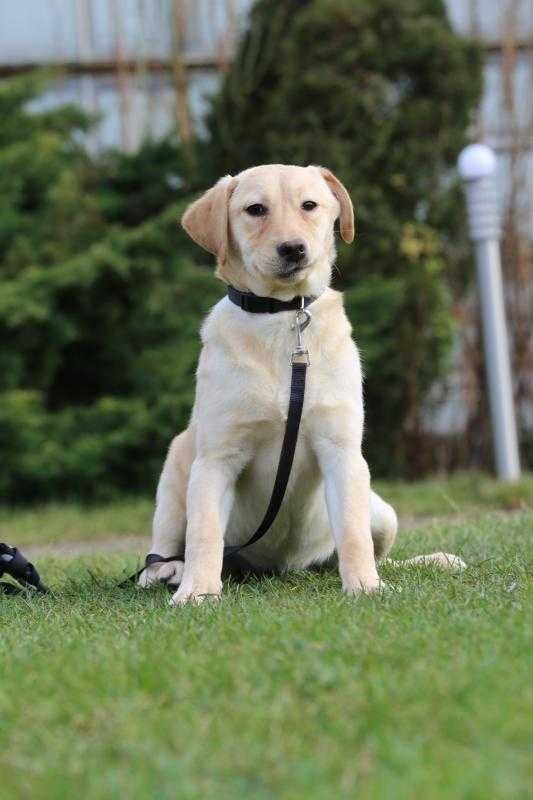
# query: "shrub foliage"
{"type": "Point", "coordinates": [381, 92]}
{"type": "Point", "coordinates": [101, 293]}
{"type": "Point", "coordinates": [100, 303]}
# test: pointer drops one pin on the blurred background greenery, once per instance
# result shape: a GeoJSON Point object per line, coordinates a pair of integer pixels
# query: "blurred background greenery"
{"type": "Point", "coordinates": [102, 294]}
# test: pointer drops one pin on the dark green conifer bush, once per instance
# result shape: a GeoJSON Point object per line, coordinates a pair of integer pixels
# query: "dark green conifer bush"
{"type": "Point", "coordinates": [100, 304]}
{"type": "Point", "coordinates": [102, 294]}
{"type": "Point", "coordinates": [382, 93]}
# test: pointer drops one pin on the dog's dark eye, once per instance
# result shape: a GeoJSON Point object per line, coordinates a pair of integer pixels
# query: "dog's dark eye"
{"type": "Point", "coordinates": [256, 210]}
{"type": "Point", "coordinates": [308, 205]}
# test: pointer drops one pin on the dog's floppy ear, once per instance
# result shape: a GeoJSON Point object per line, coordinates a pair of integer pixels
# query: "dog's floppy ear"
{"type": "Point", "coordinates": [346, 217]}
{"type": "Point", "coordinates": [206, 220]}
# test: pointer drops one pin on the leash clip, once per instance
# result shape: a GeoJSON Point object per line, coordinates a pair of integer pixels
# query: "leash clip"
{"type": "Point", "coordinates": [300, 354]}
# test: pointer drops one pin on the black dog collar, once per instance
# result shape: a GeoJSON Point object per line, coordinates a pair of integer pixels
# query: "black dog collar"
{"type": "Point", "coordinates": [266, 305]}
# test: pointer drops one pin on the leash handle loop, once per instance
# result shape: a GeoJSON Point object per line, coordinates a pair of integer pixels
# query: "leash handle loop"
{"type": "Point", "coordinates": [13, 563]}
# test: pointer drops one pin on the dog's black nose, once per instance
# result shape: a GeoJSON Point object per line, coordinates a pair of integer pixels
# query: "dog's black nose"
{"type": "Point", "coordinates": [292, 251]}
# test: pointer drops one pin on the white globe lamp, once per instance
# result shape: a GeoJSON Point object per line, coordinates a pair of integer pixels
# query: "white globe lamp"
{"type": "Point", "coordinates": [476, 161]}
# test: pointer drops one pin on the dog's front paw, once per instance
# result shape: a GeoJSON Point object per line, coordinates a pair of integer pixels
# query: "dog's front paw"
{"type": "Point", "coordinates": [169, 572]}
{"type": "Point", "coordinates": [196, 591]}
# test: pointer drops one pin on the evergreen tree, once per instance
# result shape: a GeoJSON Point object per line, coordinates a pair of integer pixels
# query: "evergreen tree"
{"type": "Point", "coordinates": [101, 292]}
{"type": "Point", "coordinates": [100, 305]}
{"type": "Point", "coordinates": [381, 92]}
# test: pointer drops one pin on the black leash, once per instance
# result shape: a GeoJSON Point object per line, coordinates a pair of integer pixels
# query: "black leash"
{"type": "Point", "coordinates": [13, 563]}
{"type": "Point", "coordinates": [300, 361]}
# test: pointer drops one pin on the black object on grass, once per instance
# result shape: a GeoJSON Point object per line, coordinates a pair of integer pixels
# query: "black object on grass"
{"type": "Point", "coordinates": [13, 563]}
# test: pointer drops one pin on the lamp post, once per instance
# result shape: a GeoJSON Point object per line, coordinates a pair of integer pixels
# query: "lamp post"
{"type": "Point", "coordinates": [477, 165]}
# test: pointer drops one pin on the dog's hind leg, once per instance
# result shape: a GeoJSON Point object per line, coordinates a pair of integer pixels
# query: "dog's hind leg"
{"type": "Point", "coordinates": [170, 521]}
{"type": "Point", "coordinates": [383, 524]}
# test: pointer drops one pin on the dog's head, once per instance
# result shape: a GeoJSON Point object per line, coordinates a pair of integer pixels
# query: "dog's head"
{"type": "Point", "coordinates": [272, 227]}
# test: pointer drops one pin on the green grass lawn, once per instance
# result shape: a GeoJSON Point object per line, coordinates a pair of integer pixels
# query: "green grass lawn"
{"type": "Point", "coordinates": [285, 689]}
{"type": "Point", "coordinates": [461, 494]}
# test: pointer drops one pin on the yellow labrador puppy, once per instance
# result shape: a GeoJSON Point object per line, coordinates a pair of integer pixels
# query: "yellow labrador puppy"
{"type": "Point", "coordinates": [271, 229]}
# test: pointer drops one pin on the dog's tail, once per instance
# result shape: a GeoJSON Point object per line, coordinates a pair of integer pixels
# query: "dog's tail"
{"type": "Point", "coordinates": [443, 560]}
{"type": "Point", "coordinates": [384, 524]}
